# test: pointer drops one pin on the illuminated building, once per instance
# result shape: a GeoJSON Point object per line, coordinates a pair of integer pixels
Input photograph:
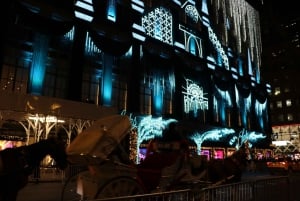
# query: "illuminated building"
{"type": "Point", "coordinates": [191, 61]}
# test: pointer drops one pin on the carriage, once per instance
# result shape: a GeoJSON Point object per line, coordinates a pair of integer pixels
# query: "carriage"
{"type": "Point", "coordinates": [110, 173]}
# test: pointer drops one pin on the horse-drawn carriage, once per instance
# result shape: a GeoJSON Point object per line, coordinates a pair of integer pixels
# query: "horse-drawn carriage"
{"type": "Point", "coordinates": [109, 173]}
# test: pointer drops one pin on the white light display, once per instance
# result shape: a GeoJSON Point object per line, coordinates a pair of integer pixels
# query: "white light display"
{"type": "Point", "coordinates": [90, 47]}
{"type": "Point", "coordinates": [188, 38]}
{"type": "Point", "coordinates": [84, 10]}
{"type": "Point", "coordinates": [245, 25]}
{"type": "Point", "coordinates": [222, 101]}
{"type": "Point", "coordinates": [149, 128]}
{"type": "Point", "coordinates": [194, 99]}
{"type": "Point", "coordinates": [158, 24]}
{"type": "Point", "coordinates": [70, 35]}
{"type": "Point", "coordinates": [192, 12]}
{"type": "Point", "coordinates": [245, 136]}
{"type": "Point", "coordinates": [213, 135]}
{"type": "Point", "coordinates": [217, 44]}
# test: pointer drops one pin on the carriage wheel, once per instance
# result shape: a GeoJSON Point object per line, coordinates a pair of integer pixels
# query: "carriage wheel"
{"type": "Point", "coordinates": [120, 186]}
{"type": "Point", "coordinates": [69, 190]}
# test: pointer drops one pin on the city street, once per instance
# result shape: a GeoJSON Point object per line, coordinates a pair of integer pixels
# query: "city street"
{"type": "Point", "coordinates": [42, 191]}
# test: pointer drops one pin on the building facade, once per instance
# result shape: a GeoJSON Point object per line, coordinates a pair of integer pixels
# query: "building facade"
{"type": "Point", "coordinates": [281, 62]}
{"type": "Point", "coordinates": [189, 61]}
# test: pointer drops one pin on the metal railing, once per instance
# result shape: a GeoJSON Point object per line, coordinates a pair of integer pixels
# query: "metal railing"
{"type": "Point", "coordinates": [275, 189]}
{"type": "Point", "coordinates": [279, 188]}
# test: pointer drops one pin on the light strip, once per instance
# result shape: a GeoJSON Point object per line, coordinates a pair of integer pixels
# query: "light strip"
{"type": "Point", "coordinates": [138, 36]}
{"type": "Point", "coordinates": [84, 6]}
{"type": "Point", "coordinates": [141, 3]}
{"type": "Point", "coordinates": [83, 16]}
{"type": "Point", "coordinates": [180, 45]}
{"type": "Point", "coordinates": [137, 8]}
{"type": "Point", "coordinates": [138, 27]}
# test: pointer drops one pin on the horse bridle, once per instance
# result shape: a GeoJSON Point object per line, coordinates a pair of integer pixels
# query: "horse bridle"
{"type": "Point", "coordinates": [22, 160]}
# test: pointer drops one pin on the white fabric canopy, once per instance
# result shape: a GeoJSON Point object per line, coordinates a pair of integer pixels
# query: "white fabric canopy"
{"type": "Point", "coordinates": [99, 140]}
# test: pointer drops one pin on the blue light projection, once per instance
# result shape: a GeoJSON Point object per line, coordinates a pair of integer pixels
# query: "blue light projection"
{"type": "Point", "coordinates": [192, 46]}
{"type": "Point", "coordinates": [149, 128]}
{"type": "Point", "coordinates": [222, 101]}
{"type": "Point", "coordinates": [111, 10]}
{"type": "Point", "coordinates": [213, 135]}
{"type": "Point", "coordinates": [240, 66]}
{"type": "Point", "coordinates": [244, 105]}
{"type": "Point", "coordinates": [107, 80]}
{"type": "Point", "coordinates": [38, 67]}
{"type": "Point", "coordinates": [194, 99]}
{"type": "Point", "coordinates": [260, 110]}
{"type": "Point", "coordinates": [158, 94]}
{"type": "Point", "coordinates": [159, 25]}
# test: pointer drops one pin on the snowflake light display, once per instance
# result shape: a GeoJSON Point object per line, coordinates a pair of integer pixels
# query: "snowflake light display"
{"type": "Point", "coordinates": [158, 24]}
{"type": "Point", "coordinates": [194, 99]}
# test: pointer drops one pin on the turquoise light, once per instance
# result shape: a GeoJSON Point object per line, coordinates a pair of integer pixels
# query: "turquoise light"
{"type": "Point", "coordinates": [240, 66]}
{"type": "Point", "coordinates": [111, 11]}
{"type": "Point", "coordinates": [38, 68]}
{"type": "Point", "coordinates": [193, 46]}
{"type": "Point", "coordinates": [37, 78]}
{"type": "Point", "coordinates": [107, 80]}
{"type": "Point", "coordinates": [157, 96]}
{"type": "Point", "coordinates": [260, 110]}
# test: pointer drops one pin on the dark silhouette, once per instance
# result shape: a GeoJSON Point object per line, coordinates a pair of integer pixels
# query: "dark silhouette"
{"type": "Point", "coordinates": [171, 140]}
{"type": "Point", "coordinates": [16, 164]}
{"type": "Point", "coordinates": [162, 152]}
{"type": "Point", "coordinates": [230, 169]}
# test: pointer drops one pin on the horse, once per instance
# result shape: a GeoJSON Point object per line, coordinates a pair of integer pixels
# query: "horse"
{"type": "Point", "coordinates": [229, 169]}
{"type": "Point", "coordinates": [16, 164]}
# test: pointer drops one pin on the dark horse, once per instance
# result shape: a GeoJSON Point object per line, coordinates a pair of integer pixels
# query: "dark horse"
{"type": "Point", "coordinates": [230, 169]}
{"type": "Point", "coordinates": [16, 164]}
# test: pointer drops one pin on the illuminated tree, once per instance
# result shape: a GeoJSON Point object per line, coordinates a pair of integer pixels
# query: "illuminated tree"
{"type": "Point", "coordinates": [213, 135]}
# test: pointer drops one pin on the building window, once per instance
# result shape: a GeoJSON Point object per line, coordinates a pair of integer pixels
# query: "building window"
{"type": "Point", "coordinates": [271, 106]}
{"type": "Point", "coordinates": [290, 117]}
{"type": "Point", "coordinates": [288, 102]}
{"type": "Point", "coordinates": [90, 87]}
{"type": "Point", "coordinates": [279, 104]}
{"type": "Point", "coordinates": [119, 94]}
{"type": "Point", "coordinates": [14, 78]}
{"type": "Point", "coordinates": [286, 90]}
{"type": "Point", "coordinates": [280, 117]}
{"type": "Point", "coordinates": [145, 97]}
{"type": "Point", "coordinates": [277, 91]}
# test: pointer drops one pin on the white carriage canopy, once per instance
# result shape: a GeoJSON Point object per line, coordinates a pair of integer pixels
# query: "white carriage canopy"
{"type": "Point", "coordinates": [99, 140]}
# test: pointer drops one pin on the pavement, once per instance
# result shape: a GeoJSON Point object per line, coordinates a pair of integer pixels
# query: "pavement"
{"type": "Point", "coordinates": [42, 191]}
{"type": "Point", "coordinates": [47, 187]}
